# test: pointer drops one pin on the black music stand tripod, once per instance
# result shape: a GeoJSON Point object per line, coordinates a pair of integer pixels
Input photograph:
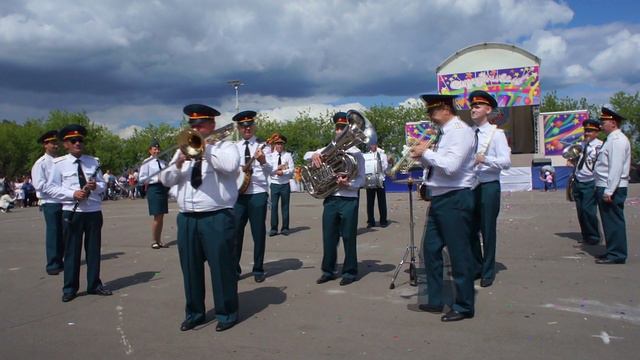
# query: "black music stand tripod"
{"type": "Point", "coordinates": [411, 248]}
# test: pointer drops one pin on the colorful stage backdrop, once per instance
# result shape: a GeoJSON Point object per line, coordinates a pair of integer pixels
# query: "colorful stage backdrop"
{"type": "Point", "coordinates": [562, 130]}
{"type": "Point", "coordinates": [510, 87]}
{"type": "Point", "coordinates": [416, 130]}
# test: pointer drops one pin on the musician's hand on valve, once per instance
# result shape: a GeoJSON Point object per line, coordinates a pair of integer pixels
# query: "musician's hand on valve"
{"type": "Point", "coordinates": [180, 160]}
{"type": "Point", "coordinates": [480, 158]}
{"type": "Point", "coordinates": [90, 186]}
{"type": "Point", "coordinates": [342, 180]}
{"type": "Point", "coordinates": [316, 160]}
{"type": "Point", "coordinates": [279, 172]}
{"type": "Point", "coordinates": [416, 151]}
{"type": "Point", "coordinates": [260, 156]}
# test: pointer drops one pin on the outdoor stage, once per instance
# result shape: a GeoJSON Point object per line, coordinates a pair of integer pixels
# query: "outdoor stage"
{"type": "Point", "coordinates": [550, 300]}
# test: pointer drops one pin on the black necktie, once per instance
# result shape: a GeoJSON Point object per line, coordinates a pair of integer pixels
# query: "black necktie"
{"type": "Point", "coordinates": [196, 174]}
{"type": "Point", "coordinates": [247, 152]}
{"type": "Point", "coordinates": [584, 157]}
{"type": "Point", "coordinates": [159, 164]}
{"type": "Point", "coordinates": [475, 151]}
{"type": "Point", "coordinates": [279, 159]}
{"type": "Point", "coordinates": [81, 178]}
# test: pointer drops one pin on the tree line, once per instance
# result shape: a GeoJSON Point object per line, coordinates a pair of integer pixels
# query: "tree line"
{"type": "Point", "coordinates": [19, 149]}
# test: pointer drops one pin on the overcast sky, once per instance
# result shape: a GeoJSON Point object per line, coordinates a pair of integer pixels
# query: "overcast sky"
{"type": "Point", "coordinates": [129, 63]}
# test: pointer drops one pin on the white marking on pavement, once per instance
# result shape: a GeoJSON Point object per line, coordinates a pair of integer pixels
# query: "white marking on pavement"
{"type": "Point", "coordinates": [596, 308]}
{"type": "Point", "coordinates": [572, 257]}
{"type": "Point", "coordinates": [606, 338]}
{"type": "Point", "coordinates": [14, 269]}
{"type": "Point", "coordinates": [128, 349]}
{"type": "Point", "coordinates": [335, 292]}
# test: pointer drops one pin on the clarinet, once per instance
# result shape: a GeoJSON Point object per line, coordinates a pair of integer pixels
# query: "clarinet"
{"type": "Point", "coordinates": [75, 206]}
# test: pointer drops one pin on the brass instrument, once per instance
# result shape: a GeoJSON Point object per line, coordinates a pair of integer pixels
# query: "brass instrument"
{"type": "Point", "coordinates": [191, 142]}
{"type": "Point", "coordinates": [244, 179]}
{"type": "Point", "coordinates": [321, 182]}
{"type": "Point", "coordinates": [572, 154]}
{"type": "Point", "coordinates": [406, 162]}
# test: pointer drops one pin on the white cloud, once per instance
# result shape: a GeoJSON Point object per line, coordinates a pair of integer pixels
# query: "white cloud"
{"type": "Point", "coordinates": [128, 131]}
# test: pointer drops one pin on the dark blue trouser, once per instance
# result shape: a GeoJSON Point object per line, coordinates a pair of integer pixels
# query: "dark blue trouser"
{"type": "Point", "coordinates": [449, 223]}
{"type": "Point", "coordinates": [382, 205]}
{"type": "Point", "coordinates": [88, 226]}
{"type": "Point", "coordinates": [487, 208]}
{"type": "Point", "coordinates": [280, 192]}
{"type": "Point", "coordinates": [340, 218]}
{"type": "Point", "coordinates": [54, 242]}
{"type": "Point", "coordinates": [252, 208]}
{"type": "Point", "coordinates": [584, 194]}
{"type": "Point", "coordinates": [613, 224]}
{"type": "Point", "coordinates": [208, 236]}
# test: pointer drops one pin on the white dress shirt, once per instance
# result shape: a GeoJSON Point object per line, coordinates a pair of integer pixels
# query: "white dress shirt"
{"type": "Point", "coordinates": [219, 174]}
{"type": "Point", "coordinates": [453, 161]}
{"type": "Point", "coordinates": [493, 144]}
{"type": "Point", "coordinates": [261, 172]}
{"type": "Point", "coordinates": [371, 159]}
{"type": "Point", "coordinates": [151, 166]}
{"type": "Point", "coordinates": [586, 173]}
{"type": "Point", "coordinates": [351, 190]}
{"type": "Point", "coordinates": [64, 182]}
{"type": "Point", "coordinates": [285, 158]}
{"type": "Point", "coordinates": [40, 173]}
{"type": "Point", "coordinates": [613, 163]}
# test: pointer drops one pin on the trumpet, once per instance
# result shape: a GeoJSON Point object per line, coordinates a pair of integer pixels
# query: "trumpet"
{"type": "Point", "coordinates": [406, 162]}
{"type": "Point", "coordinates": [191, 143]}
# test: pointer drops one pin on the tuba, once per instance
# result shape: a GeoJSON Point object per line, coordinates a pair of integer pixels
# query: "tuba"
{"type": "Point", "coordinates": [191, 143]}
{"type": "Point", "coordinates": [572, 154]}
{"type": "Point", "coordinates": [321, 182]}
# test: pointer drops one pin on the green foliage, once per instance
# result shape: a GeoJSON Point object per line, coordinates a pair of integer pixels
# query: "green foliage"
{"type": "Point", "coordinates": [628, 106]}
{"type": "Point", "coordinates": [551, 103]}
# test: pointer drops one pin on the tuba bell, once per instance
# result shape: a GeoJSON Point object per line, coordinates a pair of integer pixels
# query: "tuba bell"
{"type": "Point", "coordinates": [321, 182]}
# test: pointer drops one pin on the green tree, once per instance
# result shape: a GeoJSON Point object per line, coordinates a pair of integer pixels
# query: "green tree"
{"type": "Point", "coordinates": [551, 103]}
{"type": "Point", "coordinates": [628, 106]}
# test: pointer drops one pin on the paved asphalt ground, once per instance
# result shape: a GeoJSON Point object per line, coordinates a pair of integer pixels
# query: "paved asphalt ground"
{"type": "Point", "coordinates": [550, 300]}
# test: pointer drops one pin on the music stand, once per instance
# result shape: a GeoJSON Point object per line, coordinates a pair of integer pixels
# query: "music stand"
{"type": "Point", "coordinates": [411, 247]}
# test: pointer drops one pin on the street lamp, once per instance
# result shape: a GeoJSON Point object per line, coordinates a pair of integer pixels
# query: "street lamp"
{"type": "Point", "coordinates": [236, 84]}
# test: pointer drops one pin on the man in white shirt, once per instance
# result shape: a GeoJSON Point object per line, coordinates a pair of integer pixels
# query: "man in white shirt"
{"type": "Point", "coordinates": [206, 191]}
{"type": "Point", "coordinates": [252, 203]}
{"type": "Point", "coordinates": [450, 178]}
{"type": "Point", "coordinates": [492, 155]}
{"type": "Point", "coordinates": [612, 179]}
{"type": "Point", "coordinates": [281, 173]}
{"type": "Point", "coordinates": [584, 185]}
{"type": "Point", "coordinates": [157, 194]}
{"type": "Point", "coordinates": [51, 208]}
{"type": "Point", "coordinates": [77, 182]}
{"type": "Point", "coordinates": [375, 165]}
{"type": "Point", "coordinates": [340, 214]}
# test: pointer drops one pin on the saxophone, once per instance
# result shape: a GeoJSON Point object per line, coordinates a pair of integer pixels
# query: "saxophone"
{"type": "Point", "coordinates": [321, 182]}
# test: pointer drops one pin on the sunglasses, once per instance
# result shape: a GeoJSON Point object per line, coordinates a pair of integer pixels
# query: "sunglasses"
{"type": "Point", "coordinates": [75, 140]}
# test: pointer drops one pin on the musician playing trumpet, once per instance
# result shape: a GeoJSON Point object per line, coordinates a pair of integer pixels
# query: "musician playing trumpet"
{"type": "Point", "coordinates": [206, 189]}
{"type": "Point", "coordinates": [251, 205]}
{"type": "Point", "coordinates": [492, 155]}
{"type": "Point", "coordinates": [451, 178]}
{"type": "Point", "coordinates": [282, 168]}
{"type": "Point", "coordinates": [584, 187]}
{"type": "Point", "coordinates": [340, 213]}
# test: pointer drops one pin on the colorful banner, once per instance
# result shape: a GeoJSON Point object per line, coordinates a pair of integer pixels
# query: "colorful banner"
{"type": "Point", "coordinates": [510, 87]}
{"type": "Point", "coordinates": [414, 131]}
{"type": "Point", "coordinates": [562, 130]}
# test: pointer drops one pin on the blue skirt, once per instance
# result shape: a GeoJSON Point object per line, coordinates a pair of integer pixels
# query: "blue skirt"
{"type": "Point", "coordinates": [158, 199]}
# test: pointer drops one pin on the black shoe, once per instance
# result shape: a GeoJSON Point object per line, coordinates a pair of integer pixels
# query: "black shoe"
{"type": "Point", "coordinates": [604, 256]}
{"type": "Point", "coordinates": [369, 226]}
{"type": "Point", "coordinates": [100, 291]}
{"type": "Point", "coordinates": [431, 308]}
{"type": "Point", "coordinates": [285, 232]}
{"type": "Point", "coordinates": [225, 326]}
{"type": "Point", "coordinates": [188, 325]}
{"type": "Point", "coordinates": [486, 282]}
{"type": "Point", "coordinates": [455, 316]}
{"type": "Point", "coordinates": [259, 277]}
{"type": "Point", "coordinates": [54, 271]}
{"type": "Point", "coordinates": [477, 276]}
{"type": "Point", "coordinates": [609, 261]}
{"type": "Point", "coordinates": [384, 224]}
{"type": "Point", "coordinates": [273, 233]}
{"type": "Point", "coordinates": [68, 297]}
{"type": "Point", "coordinates": [324, 278]}
{"type": "Point", "coordinates": [346, 281]}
